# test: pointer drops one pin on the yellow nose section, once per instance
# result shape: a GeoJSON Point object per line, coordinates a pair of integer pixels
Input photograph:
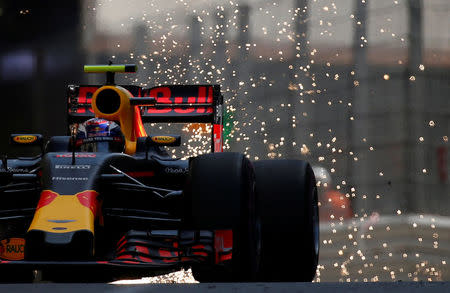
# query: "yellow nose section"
{"type": "Point", "coordinates": [65, 213]}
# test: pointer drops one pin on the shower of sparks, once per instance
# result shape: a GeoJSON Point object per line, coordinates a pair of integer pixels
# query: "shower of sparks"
{"type": "Point", "coordinates": [268, 115]}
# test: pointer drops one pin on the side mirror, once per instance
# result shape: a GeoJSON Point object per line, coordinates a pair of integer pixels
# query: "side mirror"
{"type": "Point", "coordinates": [144, 143]}
{"type": "Point", "coordinates": [163, 140]}
{"type": "Point", "coordinates": [28, 140]}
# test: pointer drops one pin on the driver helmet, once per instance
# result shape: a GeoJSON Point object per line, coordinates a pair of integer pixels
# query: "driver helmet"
{"type": "Point", "coordinates": [99, 135]}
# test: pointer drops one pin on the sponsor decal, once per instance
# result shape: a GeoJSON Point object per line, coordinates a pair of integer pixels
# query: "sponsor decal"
{"type": "Point", "coordinates": [99, 137]}
{"type": "Point", "coordinates": [73, 167]}
{"type": "Point", "coordinates": [17, 170]}
{"type": "Point", "coordinates": [71, 178]}
{"type": "Point", "coordinates": [170, 170]}
{"type": "Point", "coordinates": [25, 138]}
{"type": "Point", "coordinates": [163, 95]}
{"type": "Point", "coordinates": [12, 248]}
{"type": "Point", "coordinates": [163, 139]}
{"type": "Point", "coordinates": [141, 173]}
{"type": "Point", "coordinates": [97, 134]}
{"type": "Point", "coordinates": [69, 155]}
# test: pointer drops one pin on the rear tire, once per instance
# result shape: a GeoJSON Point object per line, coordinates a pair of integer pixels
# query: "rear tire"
{"type": "Point", "coordinates": [287, 195]}
{"type": "Point", "coordinates": [221, 192]}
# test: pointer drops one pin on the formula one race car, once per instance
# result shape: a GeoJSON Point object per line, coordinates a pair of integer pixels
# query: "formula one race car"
{"type": "Point", "coordinates": [107, 201]}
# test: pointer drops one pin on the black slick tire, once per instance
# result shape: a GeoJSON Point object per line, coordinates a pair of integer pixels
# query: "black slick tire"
{"type": "Point", "coordinates": [287, 195]}
{"type": "Point", "coordinates": [221, 193]}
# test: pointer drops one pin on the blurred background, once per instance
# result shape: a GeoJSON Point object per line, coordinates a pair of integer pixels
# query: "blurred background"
{"type": "Point", "coordinates": [358, 88]}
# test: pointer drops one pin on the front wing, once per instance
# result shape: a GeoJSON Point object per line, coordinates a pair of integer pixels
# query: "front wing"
{"type": "Point", "coordinates": [139, 254]}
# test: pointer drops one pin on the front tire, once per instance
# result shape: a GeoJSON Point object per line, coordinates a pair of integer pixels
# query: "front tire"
{"type": "Point", "coordinates": [221, 192]}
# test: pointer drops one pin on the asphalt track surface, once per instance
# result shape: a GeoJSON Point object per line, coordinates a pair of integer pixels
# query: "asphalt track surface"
{"type": "Point", "coordinates": [398, 287]}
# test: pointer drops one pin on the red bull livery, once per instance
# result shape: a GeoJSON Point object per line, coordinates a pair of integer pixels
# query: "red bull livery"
{"type": "Point", "coordinates": [106, 201]}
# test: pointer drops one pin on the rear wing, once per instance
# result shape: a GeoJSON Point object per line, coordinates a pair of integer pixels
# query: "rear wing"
{"type": "Point", "coordinates": [183, 103]}
{"type": "Point", "coordinates": [174, 103]}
